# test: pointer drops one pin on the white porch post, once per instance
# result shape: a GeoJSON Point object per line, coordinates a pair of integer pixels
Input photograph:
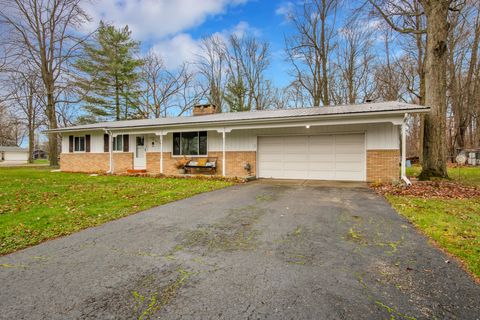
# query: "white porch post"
{"type": "Point", "coordinates": [110, 151]}
{"type": "Point", "coordinates": [223, 153]}
{"type": "Point", "coordinates": [403, 169]}
{"type": "Point", "coordinates": [161, 134]}
{"type": "Point", "coordinates": [161, 154]}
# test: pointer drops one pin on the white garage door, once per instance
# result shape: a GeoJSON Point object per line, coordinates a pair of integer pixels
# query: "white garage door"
{"type": "Point", "coordinates": [322, 157]}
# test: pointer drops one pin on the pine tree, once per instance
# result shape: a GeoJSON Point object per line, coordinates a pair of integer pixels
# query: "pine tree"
{"type": "Point", "coordinates": [109, 74]}
{"type": "Point", "coordinates": [235, 92]}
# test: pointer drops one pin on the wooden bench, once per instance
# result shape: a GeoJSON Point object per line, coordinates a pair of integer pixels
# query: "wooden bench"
{"type": "Point", "coordinates": [210, 165]}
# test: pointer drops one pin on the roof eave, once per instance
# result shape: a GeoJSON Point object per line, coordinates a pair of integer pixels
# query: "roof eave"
{"type": "Point", "coordinates": [247, 121]}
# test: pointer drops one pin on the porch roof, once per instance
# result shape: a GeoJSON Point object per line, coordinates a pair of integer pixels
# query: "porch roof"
{"type": "Point", "coordinates": [285, 115]}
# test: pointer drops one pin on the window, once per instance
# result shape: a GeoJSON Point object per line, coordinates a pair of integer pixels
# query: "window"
{"type": "Point", "coordinates": [118, 143]}
{"type": "Point", "coordinates": [190, 143]}
{"type": "Point", "coordinates": [79, 144]}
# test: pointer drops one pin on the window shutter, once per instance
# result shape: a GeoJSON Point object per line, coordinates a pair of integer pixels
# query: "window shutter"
{"type": "Point", "coordinates": [70, 143]}
{"type": "Point", "coordinates": [125, 143]}
{"type": "Point", "coordinates": [87, 143]}
{"type": "Point", "coordinates": [106, 143]}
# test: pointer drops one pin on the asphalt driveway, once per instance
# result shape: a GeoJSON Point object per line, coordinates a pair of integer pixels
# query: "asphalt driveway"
{"type": "Point", "coordinates": [264, 250]}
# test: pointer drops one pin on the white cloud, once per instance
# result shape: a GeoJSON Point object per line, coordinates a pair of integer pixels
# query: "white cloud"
{"type": "Point", "coordinates": [156, 19]}
{"type": "Point", "coordinates": [183, 48]}
{"type": "Point", "coordinates": [285, 9]}
{"type": "Point", "coordinates": [177, 50]}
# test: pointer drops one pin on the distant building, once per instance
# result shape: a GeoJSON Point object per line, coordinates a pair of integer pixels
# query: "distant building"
{"type": "Point", "coordinates": [13, 155]}
{"type": "Point", "coordinates": [39, 154]}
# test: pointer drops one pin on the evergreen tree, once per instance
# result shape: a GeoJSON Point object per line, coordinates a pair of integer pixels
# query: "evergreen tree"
{"type": "Point", "coordinates": [109, 74]}
{"type": "Point", "coordinates": [234, 96]}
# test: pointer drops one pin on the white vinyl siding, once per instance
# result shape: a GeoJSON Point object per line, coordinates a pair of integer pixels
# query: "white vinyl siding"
{"type": "Point", "coordinates": [323, 157]}
{"type": "Point", "coordinates": [96, 141]}
{"type": "Point", "coordinates": [383, 136]}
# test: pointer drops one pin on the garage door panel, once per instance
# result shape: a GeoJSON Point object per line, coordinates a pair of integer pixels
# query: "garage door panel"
{"type": "Point", "coordinates": [348, 167]}
{"type": "Point", "coordinates": [321, 175]}
{"type": "Point", "coordinates": [294, 157]}
{"type": "Point", "coordinates": [349, 149]}
{"type": "Point", "coordinates": [329, 157]}
{"type": "Point", "coordinates": [295, 174]}
{"type": "Point", "coordinates": [323, 166]}
{"type": "Point", "coordinates": [325, 157]}
{"type": "Point", "coordinates": [270, 157]}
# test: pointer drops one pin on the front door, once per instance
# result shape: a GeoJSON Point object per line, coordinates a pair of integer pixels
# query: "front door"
{"type": "Point", "coordinates": [139, 161]}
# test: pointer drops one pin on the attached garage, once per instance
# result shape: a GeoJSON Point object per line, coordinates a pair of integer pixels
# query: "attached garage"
{"type": "Point", "coordinates": [322, 157]}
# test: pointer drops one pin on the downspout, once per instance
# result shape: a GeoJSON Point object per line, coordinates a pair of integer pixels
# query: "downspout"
{"type": "Point", "coordinates": [110, 151]}
{"type": "Point", "coordinates": [403, 174]}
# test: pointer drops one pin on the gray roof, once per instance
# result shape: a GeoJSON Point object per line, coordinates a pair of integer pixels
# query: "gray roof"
{"type": "Point", "coordinates": [12, 149]}
{"type": "Point", "coordinates": [360, 109]}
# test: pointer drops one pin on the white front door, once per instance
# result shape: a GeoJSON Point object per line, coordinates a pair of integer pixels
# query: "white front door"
{"type": "Point", "coordinates": [322, 157]}
{"type": "Point", "coordinates": [139, 161]}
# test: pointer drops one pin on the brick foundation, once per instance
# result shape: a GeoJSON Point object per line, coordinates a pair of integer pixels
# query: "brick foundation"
{"type": "Point", "coordinates": [234, 166]}
{"type": "Point", "coordinates": [95, 162]}
{"type": "Point", "coordinates": [383, 165]}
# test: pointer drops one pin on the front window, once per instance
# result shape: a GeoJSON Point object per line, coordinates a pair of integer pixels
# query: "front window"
{"type": "Point", "coordinates": [79, 144]}
{"type": "Point", "coordinates": [118, 143]}
{"type": "Point", "coordinates": [190, 143]}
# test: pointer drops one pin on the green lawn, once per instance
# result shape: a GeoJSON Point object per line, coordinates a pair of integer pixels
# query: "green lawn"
{"type": "Point", "coordinates": [36, 204]}
{"type": "Point", "coordinates": [41, 161]}
{"type": "Point", "coordinates": [454, 224]}
{"type": "Point", "coordinates": [467, 175]}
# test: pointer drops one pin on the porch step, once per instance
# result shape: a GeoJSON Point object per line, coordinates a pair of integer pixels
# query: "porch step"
{"type": "Point", "coordinates": [136, 171]}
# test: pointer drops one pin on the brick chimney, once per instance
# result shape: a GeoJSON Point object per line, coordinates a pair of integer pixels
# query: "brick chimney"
{"type": "Point", "coordinates": [204, 109]}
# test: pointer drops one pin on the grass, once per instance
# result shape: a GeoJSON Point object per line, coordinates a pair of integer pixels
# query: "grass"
{"type": "Point", "coordinates": [36, 204]}
{"type": "Point", "coordinates": [41, 161]}
{"type": "Point", "coordinates": [454, 224]}
{"type": "Point", "coordinates": [466, 175]}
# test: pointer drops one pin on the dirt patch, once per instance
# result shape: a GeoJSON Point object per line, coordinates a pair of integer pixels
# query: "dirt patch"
{"type": "Point", "coordinates": [429, 189]}
{"type": "Point", "coordinates": [143, 298]}
{"type": "Point", "coordinates": [234, 232]}
{"type": "Point", "coordinates": [297, 247]}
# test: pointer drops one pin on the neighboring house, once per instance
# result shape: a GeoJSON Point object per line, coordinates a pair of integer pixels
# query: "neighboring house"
{"type": "Point", "coordinates": [13, 155]}
{"type": "Point", "coordinates": [354, 142]}
{"type": "Point", "coordinates": [39, 154]}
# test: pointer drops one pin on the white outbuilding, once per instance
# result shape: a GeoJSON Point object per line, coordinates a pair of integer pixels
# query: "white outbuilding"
{"type": "Point", "coordinates": [13, 155]}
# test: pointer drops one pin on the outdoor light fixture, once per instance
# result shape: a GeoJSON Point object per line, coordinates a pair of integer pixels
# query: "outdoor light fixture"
{"type": "Point", "coordinates": [307, 126]}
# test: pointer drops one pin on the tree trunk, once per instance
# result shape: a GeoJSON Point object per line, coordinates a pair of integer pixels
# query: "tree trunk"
{"type": "Point", "coordinates": [434, 155]}
{"type": "Point", "coordinates": [31, 123]}
{"type": "Point", "coordinates": [52, 121]}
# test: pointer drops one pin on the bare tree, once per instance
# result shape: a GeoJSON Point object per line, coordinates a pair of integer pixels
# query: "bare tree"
{"type": "Point", "coordinates": [211, 63]}
{"type": "Point", "coordinates": [25, 99]}
{"type": "Point", "coordinates": [309, 48]}
{"type": "Point", "coordinates": [247, 59]}
{"type": "Point", "coordinates": [163, 87]}
{"type": "Point", "coordinates": [12, 130]}
{"type": "Point", "coordinates": [42, 33]}
{"type": "Point", "coordinates": [354, 63]}
{"type": "Point", "coordinates": [436, 14]}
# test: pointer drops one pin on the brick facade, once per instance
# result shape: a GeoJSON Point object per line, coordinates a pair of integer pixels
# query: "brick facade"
{"type": "Point", "coordinates": [383, 165]}
{"type": "Point", "coordinates": [95, 162]}
{"type": "Point", "coordinates": [236, 161]}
